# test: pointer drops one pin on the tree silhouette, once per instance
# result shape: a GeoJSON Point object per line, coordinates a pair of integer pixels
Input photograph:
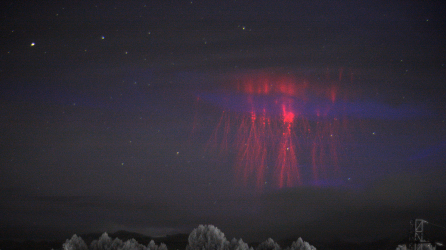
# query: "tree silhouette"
{"type": "Point", "coordinates": [207, 237]}
{"type": "Point", "coordinates": [269, 244]}
{"type": "Point", "coordinates": [104, 243]}
{"type": "Point", "coordinates": [75, 243]}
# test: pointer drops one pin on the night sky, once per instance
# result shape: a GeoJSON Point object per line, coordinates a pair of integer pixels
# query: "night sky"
{"type": "Point", "coordinates": [320, 119]}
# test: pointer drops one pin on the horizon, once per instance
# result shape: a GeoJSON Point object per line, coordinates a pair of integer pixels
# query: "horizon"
{"type": "Point", "coordinates": [173, 241]}
{"type": "Point", "coordinates": [134, 240]}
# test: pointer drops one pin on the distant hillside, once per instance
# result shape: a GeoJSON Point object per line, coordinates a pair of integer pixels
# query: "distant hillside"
{"type": "Point", "coordinates": [122, 234]}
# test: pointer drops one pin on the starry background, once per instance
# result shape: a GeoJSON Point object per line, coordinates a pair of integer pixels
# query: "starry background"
{"type": "Point", "coordinates": [98, 100]}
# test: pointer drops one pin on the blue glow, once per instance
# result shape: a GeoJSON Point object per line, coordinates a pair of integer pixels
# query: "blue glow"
{"type": "Point", "coordinates": [364, 109]}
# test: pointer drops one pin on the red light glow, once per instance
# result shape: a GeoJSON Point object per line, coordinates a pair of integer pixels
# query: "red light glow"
{"type": "Point", "coordinates": [287, 129]}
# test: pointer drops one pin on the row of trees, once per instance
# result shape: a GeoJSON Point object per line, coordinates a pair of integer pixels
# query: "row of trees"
{"type": "Point", "coordinates": [106, 243]}
{"type": "Point", "coordinates": [205, 237]}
